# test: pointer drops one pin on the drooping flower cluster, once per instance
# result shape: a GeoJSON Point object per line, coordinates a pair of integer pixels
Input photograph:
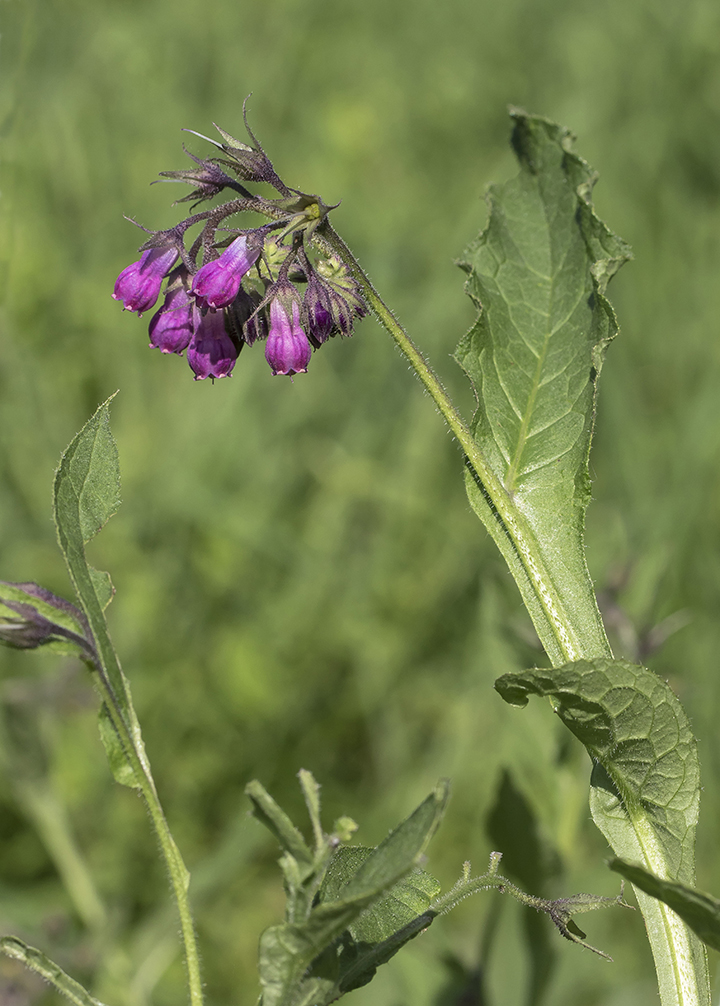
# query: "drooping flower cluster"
{"type": "Point", "coordinates": [280, 283]}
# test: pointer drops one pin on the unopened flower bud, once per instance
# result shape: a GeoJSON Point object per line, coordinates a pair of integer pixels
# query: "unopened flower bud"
{"type": "Point", "coordinates": [342, 292]}
{"type": "Point", "coordinates": [318, 309]}
{"type": "Point", "coordinates": [138, 286]}
{"type": "Point", "coordinates": [241, 318]}
{"type": "Point", "coordinates": [31, 616]}
{"type": "Point", "coordinates": [212, 352]}
{"type": "Point", "coordinates": [209, 179]}
{"type": "Point", "coordinates": [217, 283]}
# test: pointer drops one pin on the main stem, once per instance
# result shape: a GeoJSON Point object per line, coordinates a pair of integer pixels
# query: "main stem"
{"type": "Point", "coordinates": [686, 986]}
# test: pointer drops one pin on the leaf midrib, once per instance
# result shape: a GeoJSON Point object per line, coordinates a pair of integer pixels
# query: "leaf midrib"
{"type": "Point", "coordinates": [511, 474]}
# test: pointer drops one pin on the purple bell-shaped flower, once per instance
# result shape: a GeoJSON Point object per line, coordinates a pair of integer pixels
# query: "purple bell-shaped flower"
{"type": "Point", "coordinates": [212, 353]}
{"type": "Point", "coordinates": [216, 284]}
{"type": "Point", "coordinates": [287, 349]}
{"type": "Point", "coordinates": [138, 286]}
{"type": "Point", "coordinates": [171, 328]}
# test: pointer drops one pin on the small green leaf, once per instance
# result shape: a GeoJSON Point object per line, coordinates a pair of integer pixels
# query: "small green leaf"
{"type": "Point", "coordinates": [36, 961]}
{"type": "Point", "coordinates": [404, 901]}
{"type": "Point", "coordinates": [276, 820]}
{"type": "Point", "coordinates": [102, 585]}
{"type": "Point", "coordinates": [538, 274]}
{"type": "Point", "coordinates": [399, 851]}
{"type": "Point", "coordinates": [700, 911]}
{"type": "Point", "coordinates": [120, 765]}
{"type": "Point", "coordinates": [87, 494]}
{"type": "Point", "coordinates": [311, 792]}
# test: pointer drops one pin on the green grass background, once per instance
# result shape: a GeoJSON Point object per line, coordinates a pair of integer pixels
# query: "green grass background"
{"type": "Point", "coordinates": [300, 581]}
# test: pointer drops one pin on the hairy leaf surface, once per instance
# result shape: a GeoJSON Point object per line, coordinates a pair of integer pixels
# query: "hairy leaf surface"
{"type": "Point", "coordinates": [287, 951]}
{"type": "Point", "coordinates": [538, 274]}
{"type": "Point", "coordinates": [87, 494]}
{"type": "Point", "coordinates": [645, 784]}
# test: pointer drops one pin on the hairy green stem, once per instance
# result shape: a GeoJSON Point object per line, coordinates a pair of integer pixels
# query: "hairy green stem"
{"type": "Point", "coordinates": [171, 854]}
{"type": "Point", "coordinates": [684, 985]}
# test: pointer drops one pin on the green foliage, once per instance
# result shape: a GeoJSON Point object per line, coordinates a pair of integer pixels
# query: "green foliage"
{"type": "Point", "coordinates": [635, 729]}
{"type": "Point", "coordinates": [348, 910]}
{"type": "Point", "coordinates": [538, 273]}
{"type": "Point", "coordinates": [87, 494]}
{"type": "Point", "coordinates": [700, 911]}
{"type": "Point", "coordinates": [646, 782]}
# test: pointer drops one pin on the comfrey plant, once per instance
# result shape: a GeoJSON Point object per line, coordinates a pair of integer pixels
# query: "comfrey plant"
{"type": "Point", "coordinates": [268, 283]}
{"type": "Point", "coordinates": [538, 274]}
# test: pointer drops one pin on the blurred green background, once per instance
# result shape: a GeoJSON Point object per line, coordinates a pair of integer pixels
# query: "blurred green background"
{"type": "Point", "coordinates": [300, 581]}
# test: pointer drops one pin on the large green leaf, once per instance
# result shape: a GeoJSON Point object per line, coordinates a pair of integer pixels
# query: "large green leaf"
{"type": "Point", "coordinates": [87, 494]}
{"type": "Point", "coordinates": [645, 786]}
{"type": "Point", "coordinates": [538, 274]}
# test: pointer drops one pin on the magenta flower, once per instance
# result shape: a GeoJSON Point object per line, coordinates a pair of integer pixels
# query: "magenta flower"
{"type": "Point", "coordinates": [216, 284]}
{"type": "Point", "coordinates": [171, 328]}
{"type": "Point", "coordinates": [212, 353]}
{"type": "Point", "coordinates": [287, 349]}
{"type": "Point", "coordinates": [138, 286]}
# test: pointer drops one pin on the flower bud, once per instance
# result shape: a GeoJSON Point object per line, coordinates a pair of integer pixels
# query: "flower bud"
{"type": "Point", "coordinates": [31, 616]}
{"type": "Point", "coordinates": [342, 294]}
{"type": "Point", "coordinates": [318, 309]}
{"type": "Point", "coordinates": [212, 352]}
{"type": "Point", "coordinates": [241, 318]}
{"type": "Point", "coordinates": [217, 283]}
{"type": "Point", "coordinates": [209, 179]}
{"type": "Point", "coordinates": [287, 349]}
{"type": "Point", "coordinates": [171, 328]}
{"type": "Point", "coordinates": [138, 286]}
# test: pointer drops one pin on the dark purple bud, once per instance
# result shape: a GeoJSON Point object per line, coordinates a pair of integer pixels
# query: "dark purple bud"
{"type": "Point", "coordinates": [242, 321]}
{"type": "Point", "coordinates": [212, 353]}
{"type": "Point", "coordinates": [209, 179]}
{"type": "Point", "coordinates": [138, 286]}
{"type": "Point", "coordinates": [250, 163]}
{"type": "Point", "coordinates": [318, 310]}
{"type": "Point", "coordinates": [171, 328]}
{"type": "Point", "coordinates": [256, 327]}
{"type": "Point", "coordinates": [217, 283]}
{"type": "Point", "coordinates": [41, 618]}
{"type": "Point", "coordinates": [287, 349]}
